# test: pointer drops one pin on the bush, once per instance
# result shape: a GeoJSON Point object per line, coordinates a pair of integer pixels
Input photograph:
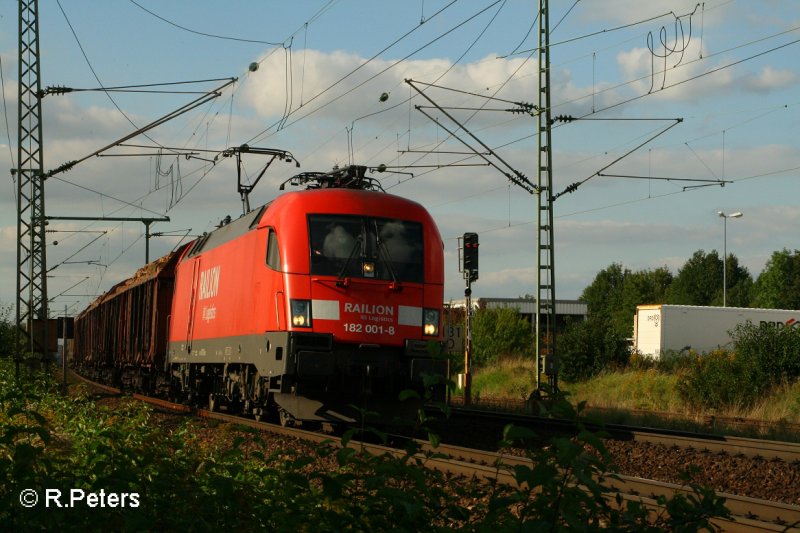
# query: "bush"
{"type": "Point", "coordinates": [719, 380]}
{"type": "Point", "coordinates": [670, 362]}
{"type": "Point", "coordinates": [6, 331]}
{"type": "Point", "coordinates": [498, 333]}
{"type": "Point", "coordinates": [762, 358]}
{"type": "Point", "coordinates": [773, 351]}
{"type": "Point", "coordinates": [190, 483]}
{"type": "Point", "coordinates": [587, 348]}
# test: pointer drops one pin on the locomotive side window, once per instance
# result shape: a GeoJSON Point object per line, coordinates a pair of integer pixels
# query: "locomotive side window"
{"type": "Point", "coordinates": [353, 246]}
{"type": "Point", "coordinates": [273, 253]}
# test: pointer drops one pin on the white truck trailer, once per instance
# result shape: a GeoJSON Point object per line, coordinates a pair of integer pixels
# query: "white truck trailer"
{"type": "Point", "coordinates": [659, 328]}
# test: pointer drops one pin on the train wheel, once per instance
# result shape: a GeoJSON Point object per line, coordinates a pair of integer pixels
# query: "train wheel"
{"type": "Point", "coordinates": [285, 418]}
{"type": "Point", "coordinates": [213, 403]}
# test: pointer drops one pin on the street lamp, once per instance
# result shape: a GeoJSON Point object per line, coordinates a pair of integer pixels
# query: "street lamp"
{"type": "Point", "coordinates": [725, 218]}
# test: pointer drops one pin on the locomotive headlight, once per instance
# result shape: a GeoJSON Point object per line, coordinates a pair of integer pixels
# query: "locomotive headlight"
{"type": "Point", "coordinates": [301, 313]}
{"type": "Point", "coordinates": [430, 322]}
{"type": "Point", "coordinates": [368, 268]}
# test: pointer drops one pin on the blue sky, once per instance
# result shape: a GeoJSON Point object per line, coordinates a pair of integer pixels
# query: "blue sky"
{"type": "Point", "coordinates": [727, 68]}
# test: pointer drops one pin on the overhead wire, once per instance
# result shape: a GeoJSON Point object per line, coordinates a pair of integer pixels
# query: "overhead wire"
{"type": "Point", "coordinates": [288, 79]}
{"type": "Point", "coordinates": [683, 65]}
{"type": "Point", "coordinates": [695, 77]}
{"type": "Point", "coordinates": [86, 58]}
{"type": "Point", "coordinates": [668, 50]}
{"type": "Point", "coordinates": [439, 143]}
{"type": "Point", "coordinates": [456, 62]}
{"type": "Point", "coordinates": [631, 201]}
{"type": "Point", "coordinates": [671, 193]}
{"type": "Point", "coordinates": [91, 68]}
{"type": "Point", "coordinates": [440, 76]}
{"type": "Point", "coordinates": [564, 16]}
{"type": "Point", "coordinates": [89, 189]}
{"type": "Point", "coordinates": [197, 32]}
{"type": "Point", "coordinates": [698, 76]}
{"type": "Point", "coordinates": [511, 76]}
{"type": "Point", "coordinates": [260, 135]}
{"type": "Point", "coordinates": [530, 29]}
{"type": "Point", "coordinates": [608, 30]}
{"type": "Point", "coordinates": [318, 14]}
{"type": "Point", "coordinates": [738, 112]}
{"type": "Point", "coordinates": [8, 128]}
{"type": "Point", "coordinates": [142, 131]}
{"type": "Point", "coordinates": [677, 83]}
{"type": "Point", "coordinates": [283, 120]}
{"type": "Point", "coordinates": [133, 88]}
{"type": "Point", "coordinates": [483, 96]}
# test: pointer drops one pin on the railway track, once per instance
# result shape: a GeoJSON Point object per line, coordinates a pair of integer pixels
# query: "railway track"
{"type": "Point", "coordinates": [707, 422]}
{"type": "Point", "coordinates": [749, 447]}
{"type": "Point", "coordinates": [748, 514]}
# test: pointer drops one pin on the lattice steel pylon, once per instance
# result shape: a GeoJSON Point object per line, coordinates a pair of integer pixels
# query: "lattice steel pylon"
{"type": "Point", "coordinates": [545, 345]}
{"type": "Point", "coordinates": [31, 257]}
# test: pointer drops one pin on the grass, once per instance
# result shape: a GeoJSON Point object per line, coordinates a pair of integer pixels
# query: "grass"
{"type": "Point", "coordinates": [638, 397]}
{"type": "Point", "coordinates": [783, 404]}
{"type": "Point", "coordinates": [511, 378]}
{"type": "Point", "coordinates": [638, 389]}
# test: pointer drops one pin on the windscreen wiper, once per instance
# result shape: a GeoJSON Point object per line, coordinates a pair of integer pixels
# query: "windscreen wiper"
{"type": "Point", "coordinates": [340, 278]}
{"type": "Point", "coordinates": [385, 256]}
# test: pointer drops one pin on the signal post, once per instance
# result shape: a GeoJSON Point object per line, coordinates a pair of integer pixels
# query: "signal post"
{"type": "Point", "coordinates": [469, 267]}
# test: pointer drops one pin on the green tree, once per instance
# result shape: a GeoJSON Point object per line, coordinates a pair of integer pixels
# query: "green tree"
{"type": "Point", "coordinates": [699, 281]}
{"type": "Point", "coordinates": [616, 291]}
{"type": "Point", "coordinates": [604, 295]}
{"type": "Point", "coordinates": [778, 286]}
{"type": "Point", "coordinates": [499, 332]}
{"type": "Point", "coordinates": [640, 287]}
{"type": "Point", "coordinates": [586, 348]}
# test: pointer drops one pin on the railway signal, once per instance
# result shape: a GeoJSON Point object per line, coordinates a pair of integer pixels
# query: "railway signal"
{"type": "Point", "coordinates": [470, 265]}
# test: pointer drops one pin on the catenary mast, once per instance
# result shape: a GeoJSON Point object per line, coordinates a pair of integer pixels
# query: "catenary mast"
{"type": "Point", "coordinates": [545, 346]}
{"type": "Point", "coordinates": [31, 257]}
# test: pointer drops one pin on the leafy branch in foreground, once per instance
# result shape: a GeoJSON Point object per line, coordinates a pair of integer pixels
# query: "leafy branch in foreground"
{"type": "Point", "coordinates": [192, 477]}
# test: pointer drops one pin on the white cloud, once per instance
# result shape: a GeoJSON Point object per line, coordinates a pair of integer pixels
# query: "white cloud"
{"type": "Point", "coordinates": [8, 241]}
{"type": "Point", "coordinates": [769, 79]}
{"type": "Point", "coordinates": [319, 79]}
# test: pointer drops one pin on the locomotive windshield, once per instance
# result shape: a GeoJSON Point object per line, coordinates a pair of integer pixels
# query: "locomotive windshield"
{"type": "Point", "coordinates": [365, 247]}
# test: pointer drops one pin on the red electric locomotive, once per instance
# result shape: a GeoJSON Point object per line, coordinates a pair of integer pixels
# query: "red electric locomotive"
{"type": "Point", "coordinates": [322, 299]}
